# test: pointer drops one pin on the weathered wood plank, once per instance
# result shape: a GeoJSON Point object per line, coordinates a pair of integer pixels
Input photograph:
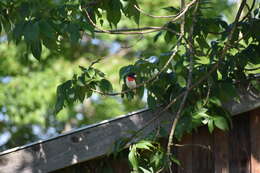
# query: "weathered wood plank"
{"type": "Point", "coordinates": [255, 140]}
{"type": "Point", "coordinates": [184, 154]}
{"type": "Point", "coordinates": [239, 145]}
{"type": "Point", "coordinates": [221, 151]}
{"type": "Point", "coordinates": [247, 103]}
{"type": "Point", "coordinates": [202, 156]}
{"type": "Point", "coordinates": [88, 142]}
{"type": "Point", "coordinates": [75, 147]}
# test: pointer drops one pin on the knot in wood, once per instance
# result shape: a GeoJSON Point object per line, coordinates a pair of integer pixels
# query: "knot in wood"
{"type": "Point", "coordinates": [76, 139]}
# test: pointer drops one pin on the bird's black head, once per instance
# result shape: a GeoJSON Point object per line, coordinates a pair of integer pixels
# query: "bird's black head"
{"type": "Point", "coordinates": [132, 75]}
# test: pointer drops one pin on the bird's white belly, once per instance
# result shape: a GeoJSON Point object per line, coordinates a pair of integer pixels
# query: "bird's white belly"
{"type": "Point", "coordinates": [131, 84]}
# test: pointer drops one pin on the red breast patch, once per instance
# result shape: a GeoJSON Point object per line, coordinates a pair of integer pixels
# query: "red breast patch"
{"type": "Point", "coordinates": [129, 78]}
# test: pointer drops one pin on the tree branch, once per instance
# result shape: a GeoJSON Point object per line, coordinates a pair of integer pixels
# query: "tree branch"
{"type": "Point", "coordinates": [249, 10]}
{"type": "Point", "coordinates": [150, 15]}
{"type": "Point", "coordinates": [191, 54]}
{"type": "Point", "coordinates": [193, 145]}
{"type": "Point", "coordinates": [152, 79]}
{"type": "Point", "coordinates": [176, 17]}
{"type": "Point", "coordinates": [144, 30]}
{"type": "Point", "coordinates": [158, 114]}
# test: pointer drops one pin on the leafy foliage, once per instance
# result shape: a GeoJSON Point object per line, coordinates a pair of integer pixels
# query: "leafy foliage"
{"type": "Point", "coordinates": [79, 86]}
{"type": "Point", "coordinates": [163, 64]}
{"type": "Point", "coordinates": [148, 156]}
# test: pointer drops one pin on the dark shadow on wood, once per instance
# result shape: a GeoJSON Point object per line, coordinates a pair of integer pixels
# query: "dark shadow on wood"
{"type": "Point", "coordinates": [82, 145]}
{"type": "Point", "coordinates": [239, 145]}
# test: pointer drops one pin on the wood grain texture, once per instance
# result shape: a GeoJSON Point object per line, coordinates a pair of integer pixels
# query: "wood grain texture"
{"type": "Point", "coordinates": [96, 140]}
{"type": "Point", "coordinates": [221, 151]}
{"type": "Point", "coordinates": [239, 145]}
{"type": "Point", "coordinates": [202, 157]}
{"type": "Point", "coordinates": [75, 147]}
{"type": "Point", "coordinates": [184, 154]}
{"type": "Point", "coordinates": [255, 140]}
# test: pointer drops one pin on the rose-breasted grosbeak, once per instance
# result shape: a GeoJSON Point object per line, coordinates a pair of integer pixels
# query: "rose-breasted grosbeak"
{"type": "Point", "coordinates": [130, 81]}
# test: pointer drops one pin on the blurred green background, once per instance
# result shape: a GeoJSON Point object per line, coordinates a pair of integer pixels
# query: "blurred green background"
{"type": "Point", "coordinates": [27, 86]}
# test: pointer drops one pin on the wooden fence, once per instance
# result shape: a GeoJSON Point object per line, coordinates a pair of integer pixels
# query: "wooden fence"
{"type": "Point", "coordinates": [77, 151]}
{"type": "Point", "coordinates": [235, 151]}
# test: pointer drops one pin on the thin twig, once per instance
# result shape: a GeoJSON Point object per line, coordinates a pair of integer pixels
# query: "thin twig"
{"type": "Point", "coordinates": [144, 30]}
{"type": "Point", "coordinates": [131, 31]}
{"type": "Point", "coordinates": [176, 17]}
{"type": "Point", "coordinates": [225, 49]}
{"type": "Point", "coordinates": [158, 114]}
{"type": "Point", "coordinates": [125, 32]}
{"type": "Point", "coordinates": [193, 145]}
{"type": "Point", "coordinates": [249, 10]}
{"type": "Point", "coordinates": [150, 15]}
{"type": "Point", "coordinates": [132, 45]}
{"type": "Point", "coordinates": [152, 79]}
{"type": "Point", "coordinates": [191, 54]}
{"type": "Point", "coordinates": [208, 94]}
{"type": "Point", "coordinates": [185, 10]}
{"type": "Point", "coordinates": [122, 31]}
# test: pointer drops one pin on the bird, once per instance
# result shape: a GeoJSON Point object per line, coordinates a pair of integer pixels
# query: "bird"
{"type": "Point", "coordinates": [131, 81]}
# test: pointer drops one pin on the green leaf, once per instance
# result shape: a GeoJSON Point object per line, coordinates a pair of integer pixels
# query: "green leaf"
{"type": "Point", "coordinates": [73, 30]}
{"type": "Point", "coordinates": [210, 125]}
{"type": "Point", "coordinates": [119, 146]}
{"type": "Point", "coordinates": [36, 48]}
{"type": "Point", "coordinates": [105, 85]}
{"type": "Point", "coordinates": [175, 160]}
{"type": "Point", "coordinates": [170, 36]}
{"type": "Point", "coordinates": [178, 67]}
{"type": "Point", "coordinates": [99, 73]}
{"type": "Point", "coordinates": [151, 101]}
{"type": "Point", "coordinates": [133, 158]}
{"type": "Point", "coordinates": [227, 91]}
{"type": "Point", "coordinates": [156, 37]}
{"type": "Point", "coordinates": [256, 11]}
{"type": "Point", "coordinates": [140, 92]}
{"type": "Point", "coordinates": [130, 11]}
{"type": "Point", "coordinates": [256, 84]}
{"type": "Point", "coordinates": [203, 60]}
{"type": "Point", "coordinates": [124, 71]}
{"type": "Point", "coordinates": [235, 36]}
{"type": "Point", "coordinates": [6, 24]}
{"type": "Point", "coordinates": [144, 144]}
{"type": "Point", "coordinates": [87, 27]}
{"type": "Point", "coordinates": [24, 9]}
{"type": "Point", "coordinates": [114, 12]}
{"type": "Point", "coordinates": [31, 31]}
{"type": "Point", "coordinates": [163, 132]}
{"type": "Point", "coordinates": [145, 170]}
{"type": "Point", "coordinates": [215, 101]}
{"type": "Point", "coordinates": [221, 123]}
{"type": "Point", "coordinates": [80, 93]}
{"type": "Point", "coordinates": [18, 31]}
{"type": "Point", "coordinates": [181, 81]}
{"type": "Point", "coordinates": [91, 72]}
{"type": "Point", "coordinates": [172, 9]}
{"type": "Point", "coordinates": [46, 29]}
{"type": "Point", "coordinates": [61, 95]}
{"type": "Point", "coordinates": [201, 113]}
{"type": "Point", "coordinates": [202, 42]}
{"type": "Point", "coordinates": [158, 158]}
